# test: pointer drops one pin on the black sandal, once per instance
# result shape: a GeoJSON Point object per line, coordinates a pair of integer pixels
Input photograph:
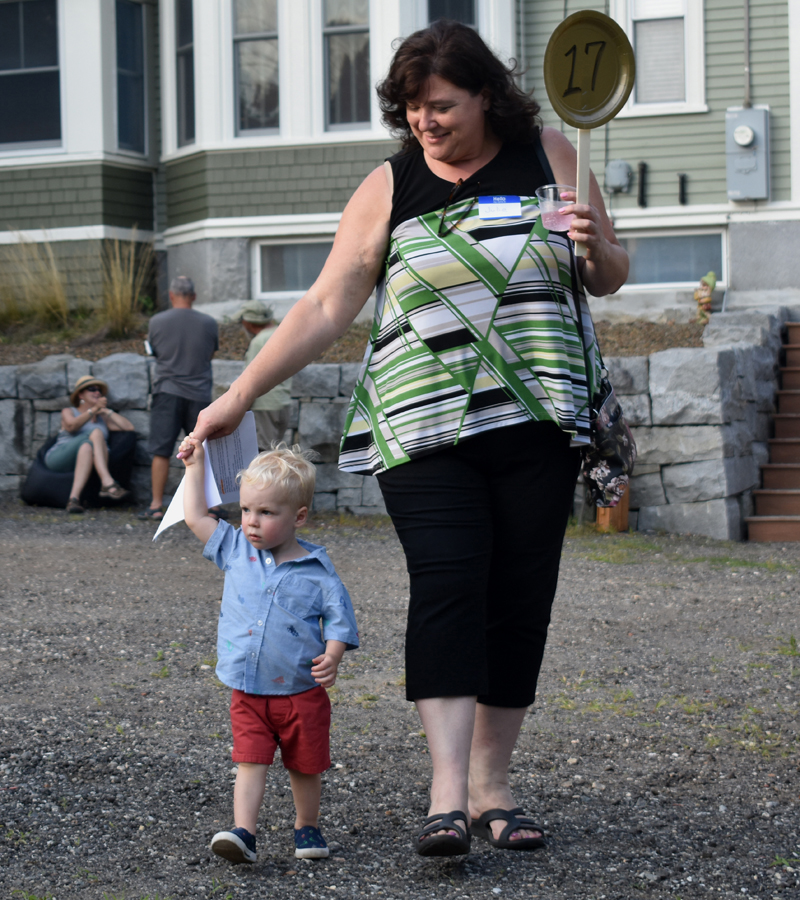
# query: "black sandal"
{"type": "Point", "coordinates": [431, 844]}
{"type": "Point", "coordinates": [517, 821]}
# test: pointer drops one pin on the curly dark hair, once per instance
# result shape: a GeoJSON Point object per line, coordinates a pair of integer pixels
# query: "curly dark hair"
{"type": "Point", "coordinates": [457, 54]}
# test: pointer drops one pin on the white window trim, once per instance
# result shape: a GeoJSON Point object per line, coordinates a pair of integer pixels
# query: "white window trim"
{"type": "Point", "coordinates": [301, 75]}
{"type": "Point", "coordinates": [255, 264]}
{"type": "Point", "coordinates": [694, 60]}
{"type": "Point", "coordinates": [722, 278]}
{"type": "Point", "coordinates": [88, 93]}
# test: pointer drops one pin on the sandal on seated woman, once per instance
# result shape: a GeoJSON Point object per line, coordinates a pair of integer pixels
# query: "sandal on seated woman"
{"type": "Point", "coordinates": [82, 443]}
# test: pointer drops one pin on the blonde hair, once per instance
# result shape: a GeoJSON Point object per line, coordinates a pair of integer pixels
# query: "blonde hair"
{"type": "Point", "coordinates": [288, 468]}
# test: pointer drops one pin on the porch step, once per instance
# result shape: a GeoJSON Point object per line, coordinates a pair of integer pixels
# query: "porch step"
{"type": "Point", "coordinates": [781, 476]}
{"type": "Point", "coordinates": [784, 450]}
{"type": "Point", "coordinates": [788, 402]}
{"type": "Point", "coordinates": [790, 378]}
{"type": "Point", "coordinates": [777, 503]}
{"type": "Point", "coordinates": [784, 529]}
{"type": "Point", "coordinates": [791, 354]}
{"type": "Point", "coordinates": [792, 332]}
{"type": "Point", "coordinates": [787, 425]}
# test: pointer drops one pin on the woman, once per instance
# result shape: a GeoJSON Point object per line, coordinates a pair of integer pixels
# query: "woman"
{"type": "Point", "coordinates": [472, 401]}
{"type": "Point", "coordinates": [82, 443]}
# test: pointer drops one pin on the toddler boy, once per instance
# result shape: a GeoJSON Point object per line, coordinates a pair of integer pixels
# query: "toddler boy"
{"type": "Point", "coordinates": [277, 590]}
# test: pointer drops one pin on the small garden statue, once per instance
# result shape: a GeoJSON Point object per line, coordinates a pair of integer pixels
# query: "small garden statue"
{"type": "Point", "coordinates": [703, 297]}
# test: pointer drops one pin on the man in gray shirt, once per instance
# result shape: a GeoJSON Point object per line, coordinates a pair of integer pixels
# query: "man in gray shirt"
{"type": "Point", "coordinates": [183, 342]}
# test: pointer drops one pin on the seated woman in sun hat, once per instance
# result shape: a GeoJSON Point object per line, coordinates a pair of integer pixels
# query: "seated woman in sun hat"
{"type": "Point", "coordinates": [82, 443]}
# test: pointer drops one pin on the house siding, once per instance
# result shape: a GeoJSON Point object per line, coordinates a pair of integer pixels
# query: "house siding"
{"type": "Point", "coordinates": [279, 181]}
{"type": "Point", "coordinates": [74, 195]}
{"type": "Point", "coordinates": [692, 143]}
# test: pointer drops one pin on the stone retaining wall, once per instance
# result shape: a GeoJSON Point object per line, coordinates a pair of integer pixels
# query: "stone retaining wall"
{"type": "Point", "coordinates": [701, 418]}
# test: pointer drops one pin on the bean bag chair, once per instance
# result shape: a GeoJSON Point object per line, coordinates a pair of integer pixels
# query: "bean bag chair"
{"type": "Point", "coordinates": [45, 488]}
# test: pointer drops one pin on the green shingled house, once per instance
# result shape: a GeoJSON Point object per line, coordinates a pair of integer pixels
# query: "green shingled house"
{"type": "Point", "coordinates": [232, 132]}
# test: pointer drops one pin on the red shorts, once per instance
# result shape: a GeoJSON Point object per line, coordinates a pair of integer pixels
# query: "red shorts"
{"type": "Point", "coordinates": [298, 723]}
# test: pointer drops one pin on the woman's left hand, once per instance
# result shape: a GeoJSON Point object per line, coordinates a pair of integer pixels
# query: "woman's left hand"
{"type": "Point", "coordinates": [586, 228]}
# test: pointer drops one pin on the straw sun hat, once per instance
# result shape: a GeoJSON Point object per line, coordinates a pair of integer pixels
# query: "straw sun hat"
{"type": "Point", "coordinates": [84, 382]}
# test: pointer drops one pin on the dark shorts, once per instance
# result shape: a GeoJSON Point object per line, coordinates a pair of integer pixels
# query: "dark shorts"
{"type": "Point", "coordinates": [169, 415]}
{"type": "Point", "coordinates": [298, 723]}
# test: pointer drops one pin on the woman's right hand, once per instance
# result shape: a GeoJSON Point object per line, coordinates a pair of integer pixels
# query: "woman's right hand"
{"type": "Point", "coordinates": [221, 418]}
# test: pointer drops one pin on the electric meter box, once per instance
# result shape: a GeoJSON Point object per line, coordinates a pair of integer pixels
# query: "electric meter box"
{"type": "Point", "coordinates": [747, 152]}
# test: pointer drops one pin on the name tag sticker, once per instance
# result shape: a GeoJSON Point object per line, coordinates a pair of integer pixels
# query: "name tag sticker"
{"type": "Point", "coordinates": [499, 207]}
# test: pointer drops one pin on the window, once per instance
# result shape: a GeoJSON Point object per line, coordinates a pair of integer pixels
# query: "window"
{"type": "Point", "coordinates": [30, 105]}
{"type": "Point", "coordinates": [290, 269]}
{"type": "Point", "coordinates": [347, 82]}
{"type": "Point", "coordinates": [673, 259]}
{"type": "Point", "coordinates": [130, 76]}
{"type": "Point", "coordinates": [459, 10]}
{"type": "Point", "coordinates": [668, 40]}
{"type": "Point", "coordinates": [184, 40]}
{"type": "Point", "coordinates": [255, 42]}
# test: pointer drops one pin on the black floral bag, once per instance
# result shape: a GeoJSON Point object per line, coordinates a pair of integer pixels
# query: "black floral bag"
{"type": "Point", "coordinates": [608, 462]}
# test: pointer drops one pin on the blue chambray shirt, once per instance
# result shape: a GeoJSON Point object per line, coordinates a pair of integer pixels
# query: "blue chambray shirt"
{"type": "Point", "coordinates": [269, 621]}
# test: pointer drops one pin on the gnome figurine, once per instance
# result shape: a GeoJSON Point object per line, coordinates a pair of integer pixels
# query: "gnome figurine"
{"type": "Point", "coordinates": [703, 297]}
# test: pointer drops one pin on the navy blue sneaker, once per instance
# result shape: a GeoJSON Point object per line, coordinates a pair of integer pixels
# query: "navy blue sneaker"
{"type": "Point", "coordinates": [309, 843]}
{"type": "Point", "coordinates": [236, 845]}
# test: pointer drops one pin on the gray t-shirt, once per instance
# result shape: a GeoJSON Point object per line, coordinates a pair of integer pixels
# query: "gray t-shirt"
{"type": "Point", "coordinates": [183, 342]}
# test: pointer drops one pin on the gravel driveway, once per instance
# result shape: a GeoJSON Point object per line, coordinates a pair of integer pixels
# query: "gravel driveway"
{"type": "Point", "coordinates": [661, 755]}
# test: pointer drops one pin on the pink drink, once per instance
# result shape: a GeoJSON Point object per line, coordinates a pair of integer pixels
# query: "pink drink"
{"type": "Point", "coordinates": [554, 221]}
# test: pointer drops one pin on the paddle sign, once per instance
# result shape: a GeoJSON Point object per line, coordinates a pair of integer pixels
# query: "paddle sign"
{"type": "Point", "coordinates": [589, 69]}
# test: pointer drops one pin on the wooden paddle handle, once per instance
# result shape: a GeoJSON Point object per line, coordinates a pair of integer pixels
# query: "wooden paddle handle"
{"type": "Point", "coordinates": [584, 152]}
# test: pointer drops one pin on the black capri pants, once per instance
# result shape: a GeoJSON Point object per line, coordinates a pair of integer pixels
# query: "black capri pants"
{"type": "Point", "coordinates": [482, 525]}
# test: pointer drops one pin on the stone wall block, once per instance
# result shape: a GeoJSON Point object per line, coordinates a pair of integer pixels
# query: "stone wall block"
{"type": "Point", "coordinates": [348, 498]}
{"type": "Point", "coordinates": [11, 483]}
{"type": "Point", "coordinates": [765, 364]}
{"type": "Point", "coordinates": [225, 372]}
{"type": "Point", "coordinates": [140, 419]}
{"type": "Point", "coordinates": [41, 426]}
{"type": "Point", "coordinates": [745, 355]}
{"type": "Point", "coordinates": [676, 444]}
{"type": "Point", "coordinates": [371, 492]}
{"type": "Point", "coordinates": [127, 379]}
{"type": "Point", "coordinates": [331, 478]}
{"type": "Point", "coordinates": [710, 479]}
{"type": "Point", "coordinates": [720, 519]}
{"type": "Point", "coordinates": [151, 369]}
{"type": "Point", "coordinates": [44, 379]}
{"type": "Point", "coordinates": [760, 453]}
{"type": "Point", "coordinates": [142, 457]}
{"type": "Point", "coordinates": [320, 428]}
{"type": "Point", "coordinates": [294, 413]}
{"type": "Point", "coordinates": [56, 404]}
{"type": "Point", "coordinates": [8, 381]}
{"type": "Point", "coordinates": [324, 502]}
{"type": "Point", "coordinates": [77, 368]}
{"type": "Point", "coordinates": [749, 327]}
{"type": "Point", "coordinates": [692, 386]}
{"type": "Point", "coordinates": [317, 380]}
{"type": "Point", "coordinates": [628, 374]}
{"type": "Point", "coordinates": [14, 437]}
{"type": "Point", "coordinates": [646, 490]}
{"type": "Point", "coordinates": [348, 379]}
{"type": "Point", "coordinates": [765, 396]}
{"type": "Point", "coordinates": [636, 408]}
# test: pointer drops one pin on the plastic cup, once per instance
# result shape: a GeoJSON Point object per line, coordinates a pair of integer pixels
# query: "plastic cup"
{"type": "Point", "coordinates": [550, 202]}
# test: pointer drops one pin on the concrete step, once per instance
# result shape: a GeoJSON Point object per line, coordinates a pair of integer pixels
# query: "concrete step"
{"type": "Point", "coordinates": [786, 425]}
{"type": "Point", "coordinates": [781, 476]}
{"type": "Point", "coordinates": [784, 450]}
{"type": "Point", "coordinates": [788, 402]}
{"type": "Point", "coordinates": [782, 529]}
{"type": "Point", "coordinates": [790, 378]}
{"type": "Point", "coordinates": [776, 503]}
